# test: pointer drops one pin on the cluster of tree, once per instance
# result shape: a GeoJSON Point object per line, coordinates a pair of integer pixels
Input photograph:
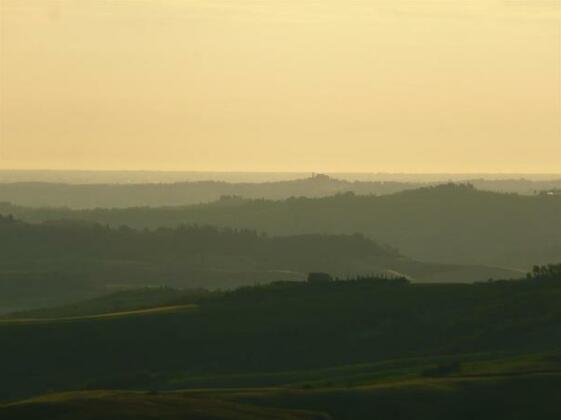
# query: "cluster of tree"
{"type": "Point", "coordinates": [545, 272]}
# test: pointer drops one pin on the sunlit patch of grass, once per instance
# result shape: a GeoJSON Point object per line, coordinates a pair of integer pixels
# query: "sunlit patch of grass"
{"type": "Point", "coordinates": [112, 315]}
{"type": "Point", "coordinates": [123, 405]}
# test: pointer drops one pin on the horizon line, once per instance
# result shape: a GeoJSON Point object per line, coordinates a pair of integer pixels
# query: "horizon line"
{"type": "Point", "coordinates": [279, 171]}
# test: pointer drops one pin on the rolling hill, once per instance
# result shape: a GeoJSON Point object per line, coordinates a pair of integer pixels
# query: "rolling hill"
{"type": "Point", "coordinates": [63, 261]}
{"type": "Point", "coordinates": [111, 405]}
{"type": "Point", "coordinates": [454, 224]}
{"type": "Point", "coordinates": [92, 195]}
{"type": "Point", "coordinates": [530, 396]}
{"type": "Point", "coordinates": [295, 334]}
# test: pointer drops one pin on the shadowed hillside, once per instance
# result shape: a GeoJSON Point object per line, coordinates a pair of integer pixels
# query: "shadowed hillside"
{"type": "Point", "coordinates": [64, 261]}
{"type": "Point", "coordinates": [530, 396]}
{"type": "Point", "coordinates": [144, 406]}
{"type": "Point", "coordinates": [256, 336]}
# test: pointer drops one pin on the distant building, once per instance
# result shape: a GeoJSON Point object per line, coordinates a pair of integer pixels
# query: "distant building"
{"type": "Point", "coordinates": [319, 278]}
{"type": "Point", "coordinates": [551, 192]}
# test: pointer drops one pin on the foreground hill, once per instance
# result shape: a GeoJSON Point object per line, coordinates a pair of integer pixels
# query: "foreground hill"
{"type": "Point", "coordinates": [57, 262]}
{"type": "Point", "coordinates": [528, 396]}
{"type": "Point", "coordinates": [104, 405]}
{"type": "Point", "coordinates": [290, 333]}
{"type": "Point", "coordinates": [452, 223]}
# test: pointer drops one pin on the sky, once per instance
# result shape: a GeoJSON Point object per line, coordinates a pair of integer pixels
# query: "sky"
{"type": "Point", "coordinates": [293, 85]}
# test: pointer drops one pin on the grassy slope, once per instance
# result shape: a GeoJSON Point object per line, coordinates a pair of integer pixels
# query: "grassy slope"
{"type": "Point", "coordinates": [232, 339]}
{"type": "Point", "coordinates": [519, 387]}
{"type": "Point", "coordinates": [102, 316]}
{"type": "Point", "coordinates": [117, 302]}
{"type": "Point", "coordinates": [115, 405]}
{"type": "Point", "coordinates": [476, 365]}
{"type": "Point", "coordinates": [485, 386]}
{"type": "Point", "coordinates": [528, 397]}
{"type": "Point", "coordinates": [507, 383]}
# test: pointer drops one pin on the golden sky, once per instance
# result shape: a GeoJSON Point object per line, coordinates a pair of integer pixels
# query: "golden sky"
{"type": "Point", "coordinates": [287, 85]}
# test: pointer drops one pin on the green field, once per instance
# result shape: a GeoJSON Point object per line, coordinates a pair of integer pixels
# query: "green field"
{"type": "Point", "coordinates": [345, 349]}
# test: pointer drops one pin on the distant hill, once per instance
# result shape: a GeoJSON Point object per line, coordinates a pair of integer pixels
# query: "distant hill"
{"type": "Point", "coordinates": [455, 224]}
{"type": "Point", "coordinates": [48, 194]}
{"type": "Point", "coordinates": [38, 194]}
{"type": "Point", "coordinates": [63, 261]}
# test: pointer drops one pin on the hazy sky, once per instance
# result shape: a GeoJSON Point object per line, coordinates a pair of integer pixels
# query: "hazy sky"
{"type": "Point", "coordinates": [295, 85]}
